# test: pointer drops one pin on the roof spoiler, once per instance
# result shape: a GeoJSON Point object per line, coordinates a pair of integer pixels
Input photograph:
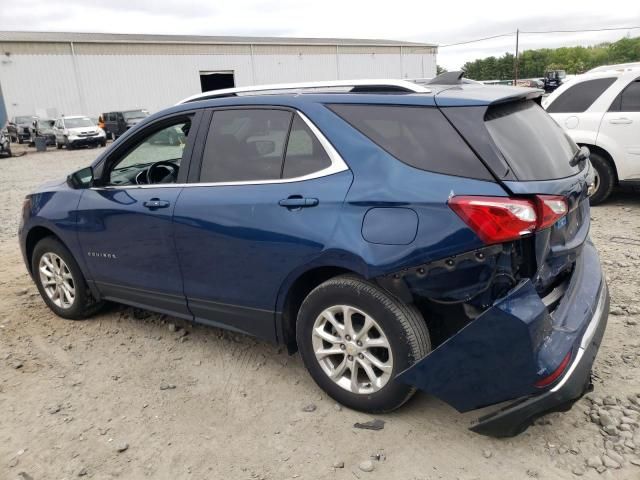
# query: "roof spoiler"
{"type": "Point", "coordinates": [447, 78]}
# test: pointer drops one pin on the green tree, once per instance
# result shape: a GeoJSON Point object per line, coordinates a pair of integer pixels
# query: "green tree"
{"type": "Point", "coordinates": [440, 70]}
{"type": "Point", "coordinates": [533, 63]}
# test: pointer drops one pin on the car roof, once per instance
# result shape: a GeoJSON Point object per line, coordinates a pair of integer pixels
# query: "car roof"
{"type": "Point", "coordinates": [463, 94]}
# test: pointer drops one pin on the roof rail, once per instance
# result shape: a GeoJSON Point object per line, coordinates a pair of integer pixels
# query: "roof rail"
{"type": "Point", "coordinates": [362, 86]}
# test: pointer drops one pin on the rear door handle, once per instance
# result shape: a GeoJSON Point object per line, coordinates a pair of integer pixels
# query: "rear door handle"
{"type": "Point", "coordinates": [297, 201]}
{"type": "Point", "coordinates": [621, 121]}
{"type": "Point", "coordinates": [155, 203]}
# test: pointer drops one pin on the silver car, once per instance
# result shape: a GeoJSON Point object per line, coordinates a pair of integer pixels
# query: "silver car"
{"type": "Point", "coordinates": [78, 131]}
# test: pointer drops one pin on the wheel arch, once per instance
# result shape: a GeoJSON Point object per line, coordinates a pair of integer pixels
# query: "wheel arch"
{"type": "Point", "coordinates": [32, 238]}
{"type": "Point", "coordinates": [604, 154]}
{"type": "Point", "coordinates": [291, 298]}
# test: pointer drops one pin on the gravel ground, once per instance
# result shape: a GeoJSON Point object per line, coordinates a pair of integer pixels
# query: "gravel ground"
{"type": "Point", "coordinates": [132, 394]}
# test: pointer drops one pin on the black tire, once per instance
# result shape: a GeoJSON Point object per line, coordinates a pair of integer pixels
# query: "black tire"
{"type": "Point", "coordinates": [20, 141]}
{"type": "Point", "coordinates": [58, 145]}
{"type": "Point", "coordinates": [403, 325]}
{"type": "Point", "coordinates": [103, 143]}
{"type": "Point", "coordinates": [606, 178]}
{"type": "Point", "coordinates": [84, 305]}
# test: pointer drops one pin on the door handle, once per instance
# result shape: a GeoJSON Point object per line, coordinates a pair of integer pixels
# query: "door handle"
{"type": "Point", "coordinates": [155, 203]}
{"type": "Point", "coordinates": [621, 121]}
{"type": "Point", "coordinates": [297, 201]}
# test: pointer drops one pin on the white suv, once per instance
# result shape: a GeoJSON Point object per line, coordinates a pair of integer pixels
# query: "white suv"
{"type": "Point", "coordinates": [78, 131]}
{"type": "Point", "coordinates": [602, 111]}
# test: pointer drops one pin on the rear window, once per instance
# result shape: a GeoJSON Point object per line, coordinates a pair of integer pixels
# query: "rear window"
{"type": "Point", "coordinates": [579, 97]}
{"type": "Point", "coordinates": [418, 136]}
{"type": "Point", "coordinates": [533, 144]}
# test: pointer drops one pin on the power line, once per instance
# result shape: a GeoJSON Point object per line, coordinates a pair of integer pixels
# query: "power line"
{"type": "Point", "coordinates": [478, 40]}
{"type": "Point", "coordinates": [582, 30]}
{"type": "Point", "coordinates": [539, 31]}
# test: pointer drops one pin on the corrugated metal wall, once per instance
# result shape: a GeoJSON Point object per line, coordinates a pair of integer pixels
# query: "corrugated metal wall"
{"type": "Point", "coordinates": [36, 77]}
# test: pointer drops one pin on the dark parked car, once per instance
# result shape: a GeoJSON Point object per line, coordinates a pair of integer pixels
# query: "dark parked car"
{"type": "Point", "coordinates": [116, 123]}
{"type": "Point", "coordinates": [20, 128]}
{"type": "Point", "coordinates": [553, 79]}
{"type": "Point", "coordinates": [43, 127]}
{"type": "Point", "coordinates": [400, 236]}
{"type": "Point", "coordinates": [5, 144]}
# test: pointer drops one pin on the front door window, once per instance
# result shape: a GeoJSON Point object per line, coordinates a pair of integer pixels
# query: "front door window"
{"type": "Point", "coordinates": [155, 160]}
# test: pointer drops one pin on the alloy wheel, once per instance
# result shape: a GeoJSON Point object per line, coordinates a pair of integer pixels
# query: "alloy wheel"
{"type": "Point", "coordinates": [57, 280]}
{"type": "Point", "coordinates": [352, 349]}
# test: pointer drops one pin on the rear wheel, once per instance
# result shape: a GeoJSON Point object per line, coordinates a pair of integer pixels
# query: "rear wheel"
{"type": "Point", "coordinates": [605, 178]}
{"type": "Point", "coordinates": [354, 339]}
{"type": "Point", "coordinates": [60, 281]}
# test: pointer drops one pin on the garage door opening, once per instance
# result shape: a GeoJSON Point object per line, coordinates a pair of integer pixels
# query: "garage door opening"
{"type": "Point", "coordinates": [216, 80]}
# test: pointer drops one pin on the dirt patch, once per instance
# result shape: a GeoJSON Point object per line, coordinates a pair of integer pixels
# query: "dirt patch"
{"type": "Point", "coordinates": [132, 394]}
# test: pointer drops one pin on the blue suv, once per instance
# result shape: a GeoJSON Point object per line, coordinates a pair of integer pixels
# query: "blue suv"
{"type": "Point", "coordinates": [399, 236]}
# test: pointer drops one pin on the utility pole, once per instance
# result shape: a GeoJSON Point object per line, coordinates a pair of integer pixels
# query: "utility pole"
{"type": "Point", "coordinates": [515, 60]}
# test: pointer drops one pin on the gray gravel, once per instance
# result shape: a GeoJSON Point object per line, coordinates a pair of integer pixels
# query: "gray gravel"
{"type": "Point", "coordinates": [238, 409]}
{"type": "Point", "coordinates": [19, 175]}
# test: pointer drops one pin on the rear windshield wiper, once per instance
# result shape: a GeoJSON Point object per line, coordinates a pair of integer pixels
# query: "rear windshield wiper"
{"type": "Point", "coordinates": [581, 154]}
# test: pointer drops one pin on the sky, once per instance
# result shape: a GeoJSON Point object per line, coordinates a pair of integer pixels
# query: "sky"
{"type": "Point", "coordinates": [441, 23]}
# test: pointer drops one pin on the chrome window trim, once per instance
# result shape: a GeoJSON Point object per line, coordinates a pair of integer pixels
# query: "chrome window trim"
{"type": "Point", "coordinates": [337, 165]}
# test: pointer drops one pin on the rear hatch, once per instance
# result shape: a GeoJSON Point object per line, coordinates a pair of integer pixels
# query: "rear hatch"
{"type": "Point", "coordinates": [530, 155]}
{"type": "Point", "coordinates": [527, 331]}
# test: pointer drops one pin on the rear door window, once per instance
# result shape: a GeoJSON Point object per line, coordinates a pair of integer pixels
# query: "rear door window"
{"type": "Point", "coordinates": [305, 154]}
{"type": "Point", "coordinates": [579, 97]}
{"type": "Point", "coordinates": [628, 100]}
{"type": "Point", "coordinates": [533, 144]}
{"type": "Point", "coordinates": [245, 145]}
{"type": "Point", "coordinates": [418, 136]}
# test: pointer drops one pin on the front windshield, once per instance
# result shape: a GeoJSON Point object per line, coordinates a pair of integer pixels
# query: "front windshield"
{"type": "Point", "coordinates": [24, 119]}
{"type": "Point", "coordinates": [78, 122]}
{"type": "Point", "coordinates": [135, 114]}
{"type": "Point", "coordinates": [45, 123]}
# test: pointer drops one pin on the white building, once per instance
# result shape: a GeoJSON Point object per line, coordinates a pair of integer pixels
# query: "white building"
{"type": "Point", "coordinates": [49, 74]}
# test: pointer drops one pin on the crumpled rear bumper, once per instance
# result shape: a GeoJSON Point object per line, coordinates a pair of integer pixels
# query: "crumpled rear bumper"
{"type": "Point", "coordinates": [501, 355]}
{"type": "Point", "coordinates": [515, 417]}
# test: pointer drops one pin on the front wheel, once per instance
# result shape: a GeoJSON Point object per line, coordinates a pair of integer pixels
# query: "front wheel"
{"type": "Point", "coordinates": [355, 338]}
{"type": "Point", "coordinates": [60, 281]}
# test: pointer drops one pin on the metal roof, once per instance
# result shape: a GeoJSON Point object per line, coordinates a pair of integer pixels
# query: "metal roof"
{"type": "Point", "coordinates": [16, 36]}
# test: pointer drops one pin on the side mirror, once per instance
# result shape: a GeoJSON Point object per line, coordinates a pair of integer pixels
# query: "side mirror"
{"type": "Point", "coordinates": [81, 179]}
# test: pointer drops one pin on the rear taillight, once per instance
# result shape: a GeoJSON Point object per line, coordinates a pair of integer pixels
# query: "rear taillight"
{"type": "Point", "coordinates": [550, 209]}
{"type": "Point", "coordinates": [501, 219]}
{"type": "Point", "coordinates": [549, 379]}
